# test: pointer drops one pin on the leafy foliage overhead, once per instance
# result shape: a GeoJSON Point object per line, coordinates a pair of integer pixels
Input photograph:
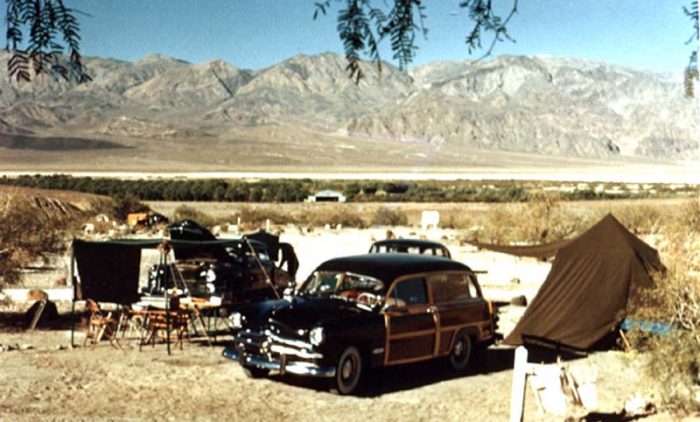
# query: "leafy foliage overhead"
{"type": "Point", "coordinates": [691, 71]}
{"type": "Point", "coordinates": [364, 24]}
{"type": "Point", "coordinates": [52, 46]}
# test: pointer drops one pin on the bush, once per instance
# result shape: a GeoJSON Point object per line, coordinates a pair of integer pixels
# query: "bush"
{"type": "Point", "coordinates": [27, 236]}
{"type": "Point", "coordinates": [183, 212]}
{"type": "Point", "coordinates": [384, 216]}
{"type": "Point", "coordinates": [255, 216]}
{"type": "Point", "coordinates": [126, 204]}
{"type": "Point", "coordinates": [333, 215]}
{"type": "Point", "coordinates": [674, 360]}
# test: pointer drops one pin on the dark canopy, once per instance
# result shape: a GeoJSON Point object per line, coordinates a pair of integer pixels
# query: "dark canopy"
{"type": "Point", "coordinates": [271, 242]}
{"type": "Point", "coordinates": [109, 270]}
{"type": "Point", "coordinates": [192, 231]}
{"type": "Point", "coordinates": [587, 291]}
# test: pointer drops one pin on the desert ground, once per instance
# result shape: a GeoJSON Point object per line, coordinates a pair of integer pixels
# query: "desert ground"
{"type": "Point", "coordinates": [45, 378]}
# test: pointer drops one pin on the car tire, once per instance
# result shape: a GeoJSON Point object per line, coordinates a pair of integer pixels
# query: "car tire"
{"type": "Point", "coordinates": [349, 372]}
{"type": "Point", "coordinates": [461, 352]}
{"type": "Point", "coordinates": [253, 372]}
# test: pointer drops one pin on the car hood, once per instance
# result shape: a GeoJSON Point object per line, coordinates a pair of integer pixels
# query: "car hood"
{"type": "Point", "coordinates": [301, 313]}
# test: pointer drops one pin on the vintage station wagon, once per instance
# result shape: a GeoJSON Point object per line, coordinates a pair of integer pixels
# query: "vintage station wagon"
{"type": "Point", "coordinates": [366, 311]}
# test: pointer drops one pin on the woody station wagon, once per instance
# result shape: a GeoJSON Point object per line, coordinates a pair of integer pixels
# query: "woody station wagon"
{"type": "Point", "coordinates": [365, 311]}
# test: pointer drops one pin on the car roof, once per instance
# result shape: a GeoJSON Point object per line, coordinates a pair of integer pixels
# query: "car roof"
{"type": "Point", "coordinates": [409, 242]}
{"type": "Point", "coordinates": [388, 267]}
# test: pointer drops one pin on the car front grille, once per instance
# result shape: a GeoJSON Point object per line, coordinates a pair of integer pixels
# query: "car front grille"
{"type": "Point", "coordinates": [272, 345]}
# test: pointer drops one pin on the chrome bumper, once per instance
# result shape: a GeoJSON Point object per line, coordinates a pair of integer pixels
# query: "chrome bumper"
{"type": "Point", "coordinates": [297, 368]}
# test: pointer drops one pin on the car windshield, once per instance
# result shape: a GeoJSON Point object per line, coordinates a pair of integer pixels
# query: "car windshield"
{"type": "Point", "coordinates": [346, 285]}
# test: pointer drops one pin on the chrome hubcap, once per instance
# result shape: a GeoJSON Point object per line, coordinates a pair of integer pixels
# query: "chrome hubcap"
{"type": "Point", "coordinates": [459, 348]}
{"type": "Point", "coordinates": [347, 369]}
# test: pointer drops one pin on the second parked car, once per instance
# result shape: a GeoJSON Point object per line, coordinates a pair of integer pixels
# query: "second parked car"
{"type": "Point", "coordinates": [365, 311]}
{"type": "Point", "coordinates": [412, 246]}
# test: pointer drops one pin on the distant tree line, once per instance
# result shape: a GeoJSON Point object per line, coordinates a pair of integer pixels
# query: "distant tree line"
{"type": "Point", "coordinates": [293, 190]}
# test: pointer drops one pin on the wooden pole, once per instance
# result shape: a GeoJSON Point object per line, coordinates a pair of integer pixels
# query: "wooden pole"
{"type": "Point", "coordinates": [517, 395]}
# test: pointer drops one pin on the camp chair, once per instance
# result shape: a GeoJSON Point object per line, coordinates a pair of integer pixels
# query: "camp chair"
{"type": "Point", "coordinates": [157, 326]}
{"type": "Point", "coordinates": [132, 324]}
{"type": "Point", "coordinates": [100, 326]}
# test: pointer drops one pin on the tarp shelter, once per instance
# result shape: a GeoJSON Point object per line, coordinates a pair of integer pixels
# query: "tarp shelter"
{"type": "Point", "coordinates": [591, 283]}
{"type": "Point", "coordinates": [109, 270]}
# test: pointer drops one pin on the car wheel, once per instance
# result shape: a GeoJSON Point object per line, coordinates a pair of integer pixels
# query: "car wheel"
{"type": "Point", "coordinates": [253, 372]}
{"type": "Point", "coordinates": [348, 372]}
{"type": "Point", "coordinates": [461, 352]}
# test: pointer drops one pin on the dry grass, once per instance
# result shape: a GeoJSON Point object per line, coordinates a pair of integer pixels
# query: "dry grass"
{"type": "Point", "coordinates": [674, 359]}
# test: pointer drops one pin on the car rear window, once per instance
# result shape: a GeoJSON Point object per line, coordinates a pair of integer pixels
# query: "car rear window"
{"type": "Point", "coordinates": [450, 287]}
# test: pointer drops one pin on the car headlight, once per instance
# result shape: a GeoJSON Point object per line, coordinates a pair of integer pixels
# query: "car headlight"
{"type": "Point", "coordinates": [210, 276]}
{"type": "Point", "coordinates": [316, 336]}
{"type": "Point", "coordinates": [236, 320]}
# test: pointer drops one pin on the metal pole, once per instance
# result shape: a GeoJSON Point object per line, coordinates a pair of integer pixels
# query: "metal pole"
{"type": "Point", "coordinates": [257, 259]}
{"type": "Point", "coordinates": [71, 276]}
{"type": "Point", "coordinates": [164, 260]}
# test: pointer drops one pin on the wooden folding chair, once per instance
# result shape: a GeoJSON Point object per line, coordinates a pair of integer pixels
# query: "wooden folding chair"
{"type": "Point", "coordinates": [157, 327]}
{"type": "Point", "coordinates": [100, 326]}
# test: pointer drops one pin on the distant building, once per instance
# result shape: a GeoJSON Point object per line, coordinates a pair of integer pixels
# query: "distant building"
{"type": "Point", "coordinates": [327, 196]}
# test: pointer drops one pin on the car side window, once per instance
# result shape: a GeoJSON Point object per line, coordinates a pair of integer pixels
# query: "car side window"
{"type": "Point", "coordinates": [473, 286]}
{"type": "Point", "coordinates": [451, 287]}
{"type": "Point", "coordinates": [411, 292]}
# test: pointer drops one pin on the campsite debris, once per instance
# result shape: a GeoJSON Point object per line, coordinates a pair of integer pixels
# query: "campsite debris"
{"type": "Point", "coordinates": [554, 386]}
{"type": "Point", "coordinates": [519, 301]}
{"type": "Point", "coordinates": [37, 295]}
{"type": "Point", "coordinates": [41, 313]}
{"type": "Point", "coordinates": [15, 347]}
{"type": "Point", "coordinates": [638, 406]}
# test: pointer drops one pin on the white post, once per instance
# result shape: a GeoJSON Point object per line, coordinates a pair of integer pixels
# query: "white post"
{"type": "Point", "coordinates": [517, 395]}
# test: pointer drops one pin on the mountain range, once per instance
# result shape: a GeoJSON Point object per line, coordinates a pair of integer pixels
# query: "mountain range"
{"type": "Point", "coordinates": [306, 108]}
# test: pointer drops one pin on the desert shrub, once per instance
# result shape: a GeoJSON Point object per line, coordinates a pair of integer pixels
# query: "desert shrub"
{"type": "Point", "coordinates": [674, 359]}
{"type": "Point", "coordinates": [27, 236]}
{"type": "Point", "coordinates": [690, 215]}
{"type": "Point", "coordinates": [258, 215]}
{"type": "Point", "coordinates": [125, 204]}
{"type": "Point", "coordinates": [333, 215]}
{"type": "Point", "coordinates": [384, 216]}
{"type": "Point", "coordinates": [640, 218]}
{"type": "Point", "coordinates": [183, 212]}
{"type": "Point", "coordinates": [541, 220]}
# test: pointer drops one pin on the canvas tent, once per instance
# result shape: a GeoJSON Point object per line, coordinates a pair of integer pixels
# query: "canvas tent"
{"type": "Point", "coordinates": [588, 290]}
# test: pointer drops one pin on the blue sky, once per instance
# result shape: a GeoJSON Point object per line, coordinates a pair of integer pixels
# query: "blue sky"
{"type": "Point", "coordinates": [647, 34]}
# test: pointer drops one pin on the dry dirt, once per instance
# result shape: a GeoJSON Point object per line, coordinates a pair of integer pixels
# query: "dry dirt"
{"type": "Point", "coordinates": [54, 382]}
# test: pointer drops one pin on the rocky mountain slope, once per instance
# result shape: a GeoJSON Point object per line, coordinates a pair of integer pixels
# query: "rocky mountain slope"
{"type": "Point", "coordinates": [542, 105]}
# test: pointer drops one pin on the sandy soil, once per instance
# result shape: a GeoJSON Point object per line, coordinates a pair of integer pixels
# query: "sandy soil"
{"type": "Point", "coordinates": [197, 383]}
{"type": "Point", "coordinates": [51, 381]}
